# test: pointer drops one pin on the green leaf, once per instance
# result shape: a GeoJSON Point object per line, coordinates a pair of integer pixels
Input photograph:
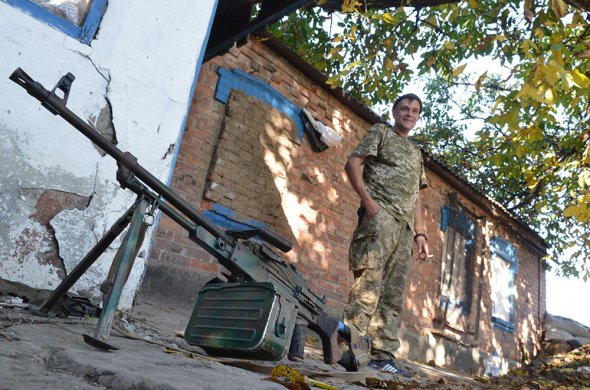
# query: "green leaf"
{"type": "Point", "coordinates": [528, 107]}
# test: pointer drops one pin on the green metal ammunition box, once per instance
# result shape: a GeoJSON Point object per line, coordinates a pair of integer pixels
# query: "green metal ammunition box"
{"type": "Point", "coordinates": [242, 320]}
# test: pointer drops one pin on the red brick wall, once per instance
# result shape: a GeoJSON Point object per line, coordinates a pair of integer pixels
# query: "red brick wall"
{"type": "Point", "coordinates": [423, 289]}
{"type": "Point", "coordinates": [529, 303]}
{"type": "Point", "coordinates": [316, 181]}
{"type": "Point", "coordinates": [316, 207]}
{"type": "Point", "coordinates": [260, 171]}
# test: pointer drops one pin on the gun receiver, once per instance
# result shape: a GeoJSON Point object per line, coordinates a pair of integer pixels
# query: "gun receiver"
{"type": "Point", "coordinates": [256, 269]}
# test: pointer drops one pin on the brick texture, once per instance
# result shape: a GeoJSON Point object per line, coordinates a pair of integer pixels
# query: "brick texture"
{"type": "Point", "coordinates": [245, 156]}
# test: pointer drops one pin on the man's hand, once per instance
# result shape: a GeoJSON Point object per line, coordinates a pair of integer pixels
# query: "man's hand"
{"type": "Point", "coordinates": [371, 207]}
{"type": "Point", "coordinates": [422, 247]}
{"type": "Point", "coordinates": [354, 171]}
{"type": "Point", "coordinates": [420, 236]}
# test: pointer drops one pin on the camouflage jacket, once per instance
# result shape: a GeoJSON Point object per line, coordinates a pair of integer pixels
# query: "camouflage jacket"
{"type": "Point", "coordinates": [393, 172]}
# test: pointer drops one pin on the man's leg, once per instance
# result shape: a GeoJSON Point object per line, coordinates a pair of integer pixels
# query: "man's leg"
{"type": "Point", "coordinates": [363, 299]}
{"type": "Point", "coordinates": [384, 321]}
{"type": "Point", "coordinates": [373, 242]}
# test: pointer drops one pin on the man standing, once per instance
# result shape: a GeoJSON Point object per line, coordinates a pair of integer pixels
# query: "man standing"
{"type": "Point", "coordinates": [386, 170]}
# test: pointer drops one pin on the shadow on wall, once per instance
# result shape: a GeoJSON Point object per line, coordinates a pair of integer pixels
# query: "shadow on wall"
{"type": "Point", "coordinates": [262, 173]}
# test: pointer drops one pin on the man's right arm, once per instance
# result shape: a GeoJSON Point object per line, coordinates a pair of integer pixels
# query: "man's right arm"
{"type": "Point", "coordinates": [354, 171]}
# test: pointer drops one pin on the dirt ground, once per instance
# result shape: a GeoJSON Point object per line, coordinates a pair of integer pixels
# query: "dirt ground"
{"type": "Point", "coordinates": [49, 353]}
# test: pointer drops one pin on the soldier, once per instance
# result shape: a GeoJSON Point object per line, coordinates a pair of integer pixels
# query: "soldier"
{"type": "Point", "coordinates": [387, 171]}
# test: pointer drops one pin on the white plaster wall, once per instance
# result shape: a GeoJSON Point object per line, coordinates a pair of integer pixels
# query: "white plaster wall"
{"type": "Point", "coordinates": [144, 61]}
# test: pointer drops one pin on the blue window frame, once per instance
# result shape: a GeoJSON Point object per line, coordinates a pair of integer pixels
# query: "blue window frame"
{"type": "Point", "coordinates": [504, 264]}
{"type": "Point", "coordinates": [84, 33]}
{"type": "Point", "coordinates": [457, 264]}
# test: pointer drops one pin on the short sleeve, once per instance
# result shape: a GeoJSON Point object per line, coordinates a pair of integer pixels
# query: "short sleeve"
{"type": "Point", "coordinates": [371, 142]}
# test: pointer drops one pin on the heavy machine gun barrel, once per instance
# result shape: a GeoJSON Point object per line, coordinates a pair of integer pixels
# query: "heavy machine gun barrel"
{"type": "Point", "coordinates": [258, 277]}
{"type": "Point", "coordinates": [57, 106]}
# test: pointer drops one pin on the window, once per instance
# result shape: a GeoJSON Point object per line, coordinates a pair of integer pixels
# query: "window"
{"type": "Point", "coordinates": [77, 18]}
{"type": "Point", "coordinates": [504, 265]}
{"type": "Point", "coordinates": [458, 252]}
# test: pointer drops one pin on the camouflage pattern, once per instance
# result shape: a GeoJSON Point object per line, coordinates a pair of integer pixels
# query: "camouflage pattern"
{"type": "Point", "coordinates": [379, 257]}
{"type": "Point", "coordinates": [393, 172]}
{"type": "Point", "coordinates": [381, 246]}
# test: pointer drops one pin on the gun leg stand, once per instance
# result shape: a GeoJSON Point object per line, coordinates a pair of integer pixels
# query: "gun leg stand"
{"type": "Point", "coordinates": [118, 274]}
{"type": "Point", "coordinates": [85, 263]}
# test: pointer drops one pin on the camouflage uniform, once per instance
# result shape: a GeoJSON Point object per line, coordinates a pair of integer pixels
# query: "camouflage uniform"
{"type": "Point", "coordinates": [381, 246]}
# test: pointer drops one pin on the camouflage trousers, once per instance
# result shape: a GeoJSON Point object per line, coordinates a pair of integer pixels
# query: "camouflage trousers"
{"type": "Point", "coordinates": [379, 256]}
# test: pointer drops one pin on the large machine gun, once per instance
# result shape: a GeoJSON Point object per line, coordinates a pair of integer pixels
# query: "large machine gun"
{"type": "Point", "coordinates": [264, 306]}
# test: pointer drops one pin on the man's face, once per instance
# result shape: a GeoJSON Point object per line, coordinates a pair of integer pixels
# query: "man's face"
{"type": "Point", "coordinates": [406, 114]}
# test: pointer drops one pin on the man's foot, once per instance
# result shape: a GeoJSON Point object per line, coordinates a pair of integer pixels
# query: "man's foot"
{"type": "Point", "coordinates": [379, 355]}
{"type": "Point", "coordinates": [389, 366]}
{"type": "Point", "coordinates": [294, 358]}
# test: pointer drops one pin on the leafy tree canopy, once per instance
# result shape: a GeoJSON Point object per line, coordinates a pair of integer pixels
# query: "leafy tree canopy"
{"type": "Point", "coordinates": [519, 129]}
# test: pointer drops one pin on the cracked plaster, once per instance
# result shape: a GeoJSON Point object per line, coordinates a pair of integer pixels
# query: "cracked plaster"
{"type": "Point", "coordinates": [133, 82]}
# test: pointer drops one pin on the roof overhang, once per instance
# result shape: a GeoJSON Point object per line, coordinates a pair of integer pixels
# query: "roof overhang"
{"type": "Point", "coordinates": [235, 19]}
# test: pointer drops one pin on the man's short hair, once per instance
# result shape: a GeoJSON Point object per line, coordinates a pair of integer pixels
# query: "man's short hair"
{"type": "Point", "coordinates": [410, 96]}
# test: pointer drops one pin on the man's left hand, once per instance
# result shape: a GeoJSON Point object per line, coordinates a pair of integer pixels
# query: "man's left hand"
{"type": "Point", "coordinates": [422, 247]}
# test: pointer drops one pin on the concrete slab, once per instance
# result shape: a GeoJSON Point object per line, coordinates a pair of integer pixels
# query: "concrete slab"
{"type": "Point", "coordinates": [49, 353]}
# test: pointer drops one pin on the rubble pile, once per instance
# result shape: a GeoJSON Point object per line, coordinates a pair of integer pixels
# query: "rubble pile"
{"type": "Point", "coordinates": [565, 371]}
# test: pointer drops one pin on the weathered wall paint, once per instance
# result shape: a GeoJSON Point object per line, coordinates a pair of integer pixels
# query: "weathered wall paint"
{"type": "Point", "coordinates": [58, 194]}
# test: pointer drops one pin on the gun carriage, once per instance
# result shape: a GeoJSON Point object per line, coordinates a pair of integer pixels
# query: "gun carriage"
{"type": "Point", "coordinates": [262, 309]}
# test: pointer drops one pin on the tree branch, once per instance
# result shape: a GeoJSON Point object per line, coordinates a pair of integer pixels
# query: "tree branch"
{"type": "Point", "coordinates": [336, 5]}
{"type": "Point", "coordinates": [584, 5]}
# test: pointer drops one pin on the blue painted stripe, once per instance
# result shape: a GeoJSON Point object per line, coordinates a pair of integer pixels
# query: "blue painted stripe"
{"type": "Point", "coordinates": [93, 18]}
{"type": "Point", "coordinates": [444, 220]}
{"type": "Point", "coordinates": [226, 218]}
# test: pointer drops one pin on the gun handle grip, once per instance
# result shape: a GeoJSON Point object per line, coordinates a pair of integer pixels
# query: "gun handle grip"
{"type": "Point", "coordinates": [297, 347]}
